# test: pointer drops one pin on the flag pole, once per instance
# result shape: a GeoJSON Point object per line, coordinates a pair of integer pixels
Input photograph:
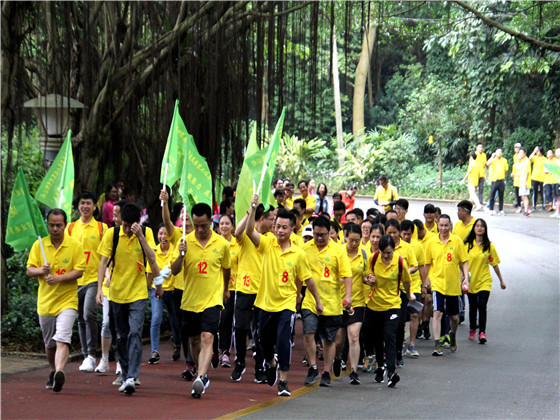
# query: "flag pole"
{"type": "Point", "coordinates": [42, 248]}
{"type": "Point", "coordinates": [184, 225]}
{"type": "Point", "coordinates": [164, 180]}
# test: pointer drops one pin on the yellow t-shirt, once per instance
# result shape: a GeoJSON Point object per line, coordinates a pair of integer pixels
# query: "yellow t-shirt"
{"type": "Point", "coordinates": [386, 195]}
{"type": "Point", "coordinates": [405, 250]}
{"type": "Point", "coordinates": [461, 230]}
{"type": "Point", "coordinates": [522, 170]}
{"type": "Point", "coordinates": [69, 256]}
{"type": "Point", "coordinates": [385, 293]}
{"type": "Point", "coordinates": [310, 202]}
{"type": "Point", "coordinates": [289, 204]}
{"type": "Point", "coordinates": [429, 235]}
{"type": "Point", "coordinates": [90, 238]}
{"type": "Point", "coordinates": [359, 265]}
{"type": "Point", "coordinates": [249, 269]}
{"type": "Point", "coordinates": [164, 260]}
{"type": "Point", "coordinates": [433, 230]}
{"type": "Point", "coordinates": [499, 169]}
{"type": "Point", "coordinates": [548, 177]}
{"type": "Point", "coordinates": [174, 239]}
{"type": "Point", "coordinates": [234, 255]}
{"type": "Point", "coordinates": [328, 267]}
{"type": "Point", "coordinates": [296, 240]}
{"type": "Point", "coordinates": [128, 281]}
{"type": "Point", "coordinates": [415, 279]}
{"type": "Point", "coordinates": [481, 164]}
{"type": "Point", "coordinates": [278, 289]}
{"type": "Point", "coordinates": [444, 262]}
{"type": "Point", "coordinates": [473, 171]}
{"type": "Point", "coordinates": [538, 168]}
{"type": "Point", "coordinates": [202, 272]}
{"type": "Point", "coordinates": [479, 263]}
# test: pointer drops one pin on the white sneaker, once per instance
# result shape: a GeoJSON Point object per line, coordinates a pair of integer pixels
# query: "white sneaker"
{"type": "Point", "coordinates": [88, 365]}
{"type": "Point", "coordinates": [119, 381]}
{"type": "Point", "coordinates": [502, 213]}
{"type": "Point", "coordinates": [118, 370]}
{"type": "Point", "coordinates": [103, 366]}
{"type": "Point", "coordinates": [492, 212]}
{"type": "Point", "coordinates": [128, 387]}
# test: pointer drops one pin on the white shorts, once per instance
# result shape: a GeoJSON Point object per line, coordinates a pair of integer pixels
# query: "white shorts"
{"type": "Point", "coordinates": [524, 191]}
{"type": "Point", "coordinates": [58, 328]}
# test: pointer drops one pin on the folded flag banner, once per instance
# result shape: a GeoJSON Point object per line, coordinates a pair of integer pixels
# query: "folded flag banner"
{"type": "Point", "coordinates": [244, 190]}
{"type": "Point", "coordinates": [554, 169]}
{"type": "Point", "coordinates": [174, 156]}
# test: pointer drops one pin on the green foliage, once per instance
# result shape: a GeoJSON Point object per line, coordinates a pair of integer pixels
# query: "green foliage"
{"type": "Point", "coordinates": [296, 156]}
{"type": "Point", "coordinates": [529, 139]}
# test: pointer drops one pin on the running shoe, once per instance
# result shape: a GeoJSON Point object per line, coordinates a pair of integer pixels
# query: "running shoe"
{"type": "Point", "coordinates": [312, 374]}
{"type": "Point", "coordinates": [325, 379]}
{"type": "Point", "coordinates": [118, 369]}
{"type": "Point", "coordinates": [413, 352]}
{"type": "Point", "coordinates": [393, 379]}
{"type": "Point", "coordinates": [482, 338]}
{"type": "Point", "coordinates": [502, 213]}
{"type": "Point", "coordinates": [88, 365]}
{"type": "Point", "coordinates": [444, 341]}
{"type": "Point", "coordinates": [58, 380]}
{"type": "Point", "coordinates": [224, 361]}
{"type": "Point", "coordinates": [189, 373]}
{"type": "Point", "coordinates": [50, 381]}
{"type": "Point", "coordinates": [343, 365]}
{"type": "Point", "coordinates": [103, 366]}
{"type": "Point", "coordinates": [354, 378]}
{"type": "Point", "coordinates": [215, 360]}
{"type": "Point", "coordinates": [369, 363]}
{"type": "Point", "coordinates": [426, 329]}
{"type": "Point", "coordinates": [119, 381]}
{"type": "Point", "coordinates": [199, 386]}
{"type": "Point", "coordinates": [271, 374]}
{"type": "Point", "coordinates": [128, 387]}
{"type": "Point", "coordinates": [137, 382]}
{"type": "Point", "coordinates": [472, 335]}
{"type": "Point", "coordinates": [260, 377]}
{"type": "Point", "coordinates": [452, 341]}
{"type": "Point", "coordinates": [154, 360]}
{"type": "Point", "coordinates": [304, 361]}
{"type": "Point", "coordinates": [438, 350]}
{"type": "Point", "coordinates": [238, 371]}
{"type": "Point", "coordinates": [337, 367]}
{"type": "Point", "coordinates": [400, 362]}
{"type": "Point", "coordinates": [283, 390]}
{"type": "Point", "coordinates": [379, 374]}
{"type": "Point", "coordinates": [176, 353]}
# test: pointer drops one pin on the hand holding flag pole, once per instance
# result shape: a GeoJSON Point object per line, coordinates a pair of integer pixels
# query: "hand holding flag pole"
{"type": "Point", "coordinates": [184, 225]}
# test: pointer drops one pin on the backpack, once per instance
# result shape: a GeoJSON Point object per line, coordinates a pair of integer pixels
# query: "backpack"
{"type": "Point", "coordinates": [116, 243]}
{"type": "Point", "coordinates": [399, 277]}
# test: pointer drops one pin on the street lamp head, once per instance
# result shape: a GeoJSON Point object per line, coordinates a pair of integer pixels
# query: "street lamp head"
{"type": "Point", "coordinates": [53, 110]}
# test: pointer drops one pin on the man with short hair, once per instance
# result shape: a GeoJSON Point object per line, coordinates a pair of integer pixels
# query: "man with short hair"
{"type": "Point", "coordinates": [466, 222]}
{"type": "Point", "coordinates": [499, 167]}
{"type": "Point", "coordinates": [401, 207]}
{"type": "Point", "coordinates": [444, 253]}
{"type": "Point", "coordinates": [57, 299]}
{"type": "Point", "coordinates": [288, 195]}
{"type": "Point", "coordinates": [480, 164]}
{"type": "Point", "coordinates": [128, 248]}
{"type": "Point", "coordinates": [279, 197]}
{"type": "Point", "coordinates": [89, 232]}
{"type": "Point", "coordinates": [424, 237]}
{"type": "Point", "coordinates": [310, 200]}
{"type": "Point", "coordinates": [351, 217]}
{"type": "Point", "coordinates": [204, 258]}
{"type": "Point", "coordinates": [385, 194]}
{"type": "Point", "coordinates": [339, 210]}
{"type": "Point", "coordinates": [330, 266]}
{"type": "Point", "coordinates": [299, 206]}
{"type": "Point", "coordinates": [285, 267]}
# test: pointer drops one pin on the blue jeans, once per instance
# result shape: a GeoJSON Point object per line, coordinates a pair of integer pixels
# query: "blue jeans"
{"type": "Point", "coordinates": [157, 312]}
{"type": "Point", "coordinates": [129, 318]}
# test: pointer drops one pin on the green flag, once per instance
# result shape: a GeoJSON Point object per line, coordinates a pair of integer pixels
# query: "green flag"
{"type": "Point", "coordinates": [174, 155]}
{"type": "Point", "coordinates": [57, 188]}
{"type": "Point", "coordinates": [196, 180]}
{"type": "Point", "coordinates": [270, 160]}
{"type": "Point", "coordinates": [244, 190]}
{"type": "Point", "coordinates": [554, 169]}
{"type": "Point", "coordinates": [25, 222]}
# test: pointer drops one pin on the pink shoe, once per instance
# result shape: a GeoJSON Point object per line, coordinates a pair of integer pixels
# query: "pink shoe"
{"type": "Point", "coordinates": [482, 338]}
{"type": "Point", "coordinates": [224, 361]}
{"type": "Point", "coordinates": [472, 335]}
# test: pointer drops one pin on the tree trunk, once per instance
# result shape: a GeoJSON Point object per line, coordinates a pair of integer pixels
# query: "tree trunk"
{"type": "Point", "coordinates": [337, 107]}
{"type": "Point", "coordinates": [358, 125]}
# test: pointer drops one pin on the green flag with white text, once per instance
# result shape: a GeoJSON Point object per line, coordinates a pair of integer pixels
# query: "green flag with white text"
{"type": "Point", "coordinates": [25, 221]}
{"type": "Point", "coordinates": [174, 155]}
{"type": "Point", "coordinates": [244, 190]}
{"type": "Point", "coordinates": [57, 188]}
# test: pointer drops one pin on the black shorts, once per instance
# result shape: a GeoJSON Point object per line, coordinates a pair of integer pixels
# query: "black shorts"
{"type": "Point", "coordinates": [357, 316]}
{"type": "Point", "coordinates": [243, 313]}
{"type": "Point", "coordinates": [326, 326]}
{"type": "Point", "coordinates": [445, 303]}
{"type": "Point", "coordinates": [195, 323]}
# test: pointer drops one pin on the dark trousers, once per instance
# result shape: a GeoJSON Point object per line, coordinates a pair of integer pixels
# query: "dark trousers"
{"type": "Point", "coordinates": [517, 197]}
{"type": "Point", "coordinates": [402, 321]}
{"type": "Point", "coordinates": [275, 329]}
{"type": "Point", "coordinates": [481, 190]}
{"type": "Point", "coordinates": [244, 321]}
{"type": "Point", "coordinates": [548, 193]}
{"type": "Point", "coordinates": [226, 325]}
{"type": "Point", "coordinates": [498, 186]}
{"type": "Point", "coordinates": [177, 297]}
{"type": "Point", "coordinates": [384, 330]}
{"type": "Point", "coordinates": [478, 302]}
{"type": "Point", "coordinates": [538, 187]}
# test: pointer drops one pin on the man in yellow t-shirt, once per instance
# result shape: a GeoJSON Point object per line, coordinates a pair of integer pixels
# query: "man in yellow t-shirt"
{"type": "Point", "coordinates": [284, 268]}
{"type": "Point", "coordinates": [310, 200]}
{"type": "Point", "coordinates": [424, 237]}
{"type": "Point", "coordinates": [480, 163]}
{"type": "Point", "coordinates": [89, 232]}
{"type": "Point", "coordinates": [466, 222]}
{"type": "Point", "coordinates": [204, 258]}
{"type": "Point", "coordinates": [57, 299]}
{"type": "Point", "coordinates": [385, 194]}
{"type": "Point", "coordinates": [499, 167]}
{"type": "Point", "coordinates": [516, 149]}
{"type": "Point", "coordinates": [444, 253]}
{"type": "Point", "coordinates": [329, 265]}
{"type": "Point", "coordinates": [289, 195]}
{"type": "Point", "coordinates": [249, 273]}
{"type": "Point", "coordinates": [522, 173]}
{"type": "Point", "coordinates": [537, 176]}
{"type": "Point", "coordinates": [128, 289]}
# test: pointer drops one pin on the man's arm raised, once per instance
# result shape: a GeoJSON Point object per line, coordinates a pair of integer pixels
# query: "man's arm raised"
{"type": "Point", "coordinates": [252, 234]}
{"type": "Point", "coordinates": [169, 226]}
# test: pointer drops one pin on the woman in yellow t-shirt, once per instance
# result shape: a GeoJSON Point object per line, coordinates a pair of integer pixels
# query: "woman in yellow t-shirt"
{"type": "Point", "coordinates": [226, 227]}
{"type": "Point", "coordinates": [472, 180]}
{"type": "Point", "coordinates": [482, 254]}
{"type": "Point", "coordinates": [537, 176]}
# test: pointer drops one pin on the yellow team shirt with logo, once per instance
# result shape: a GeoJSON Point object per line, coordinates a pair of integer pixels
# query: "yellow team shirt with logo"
{"type": "Point", "coordinates": [522, 172]}
{"type": "Point", "coordinates": [386, 195]}
{"type": "Point", "coordinates": [405, 250]}
{"type": "Point", "coordinates": [433, 230]}
{"type": "Point", "coordinates": [289, 204]}
{"type": "Point", "coordinates": [481, 164]}
{"type": "Point", "coordinates": [202, 272]}
{"type": "Point", "coordinates": [128, 278]}
{"type": "Point", "coordinates": [164, 260]}
{"type": "Point", "coordinates": [499, 168]}
{"type": "Point", "coordinates": [359, 264]}
{"type": "Point", "coordinates": [297, 240]}
{"type": "Point", "coordinates": [328, 267]}
{"type": "Point", "coordinates": [538, 168]}
{"type": "Point", "coordinates": [479, 267]}
{"type": "Point", "coordinates": [249, 269]}
{"type": "Point", "coordinates": [444, 260]}
{"type": "Point", "coordinates": [385, 294]}
{"type": "Point", "coordinates": [51, 300]}
{"type": "Point", "coordinates": [429, 235]}
{"type": "Point", "coordinates": [234, 255]}
{"type": "Point", "coordinates": [461, 230]}
{"type": "Point", "coordinates": [89, 236]}
{"type": "Point", "coordinates": [473, 171]}
{"type": "Point", "coordinates": [278, 289]}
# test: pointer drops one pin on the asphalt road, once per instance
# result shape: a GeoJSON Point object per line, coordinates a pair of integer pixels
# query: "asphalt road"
{"type": "Point", "coordinates": [515, 375]}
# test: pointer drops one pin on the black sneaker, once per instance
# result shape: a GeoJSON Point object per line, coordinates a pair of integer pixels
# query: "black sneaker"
{"type": "Point", "coordinates": [312, 374]}
{"type": "Point", "coordinates": [337, 367]}
{"type": "Point", "coordinates": [452, 341]}
{"type": "Point", "coordinates": [283, 390]}
{"type": "Point", "coordinates": [379, 374]}
{"type": "Point", "coordinates": [427, 334]}
{"type": "Point", "coordinates": [50, 381]}
{"type": "Point", "coordinates": [176, 353]}
{"type": "Point", "coordinates": [271, 374]}
{"type": "Point", "coordinates": [154, 360]}
{"type": "Point", "coordinates": [215, 360]}
{"type": "Point", "coordinates": [238, 370]}
{"type": "Point", "coordinates": [58, 380]}
{"type": "Point", "coordinates": [325, 379]}
{"type": "Point", "coordinates": [354, 378]}
{"type": "Point", "coordinates": [393, 379]}
{"type": "Point", "coordinates": [400, 362]}
{"type": "Point", "coordinates": [260, 377]}
{"type": "Point", "coordinates": [189, 373]}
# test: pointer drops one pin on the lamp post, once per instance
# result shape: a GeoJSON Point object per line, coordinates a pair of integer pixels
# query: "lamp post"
{"type": "Point", "coordinates": [52, 111]}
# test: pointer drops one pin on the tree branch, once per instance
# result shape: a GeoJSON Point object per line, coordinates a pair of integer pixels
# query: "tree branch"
{"type": "Point", "coordinates": [535, 42]}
